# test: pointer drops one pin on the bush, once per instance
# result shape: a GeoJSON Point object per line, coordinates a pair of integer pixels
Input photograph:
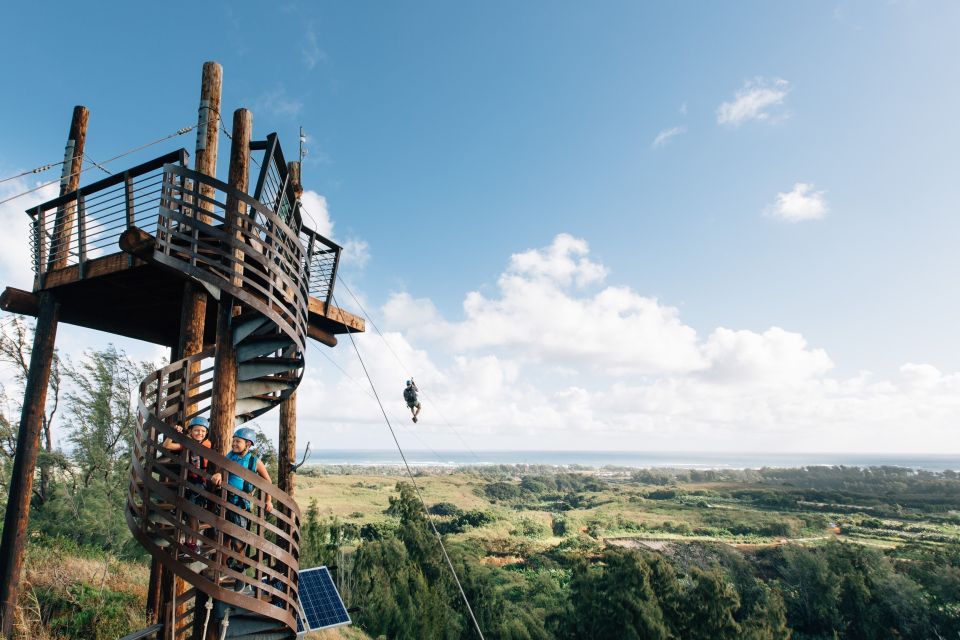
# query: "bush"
{"type": "Point", "coordinates": [445, 509]}
{"type": "Point", "coordinates": [559, 526]}
{"type": "Point", "coordinates": [86, 612]}
{"type": "Point", "coordinates": [529, 528]}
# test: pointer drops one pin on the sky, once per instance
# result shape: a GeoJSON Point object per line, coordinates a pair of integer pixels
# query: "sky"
{"type": "Point", "coordinates": [602, 226]}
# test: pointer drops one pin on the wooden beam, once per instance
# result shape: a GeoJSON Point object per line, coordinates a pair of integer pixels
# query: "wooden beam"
{"type": "Point", "coordinates": [320, 335]}
{"type": "Point", "coordinates": [337, 315]}
{"type": "Point", "coordinates": [137, 242]}
{"type": "Point", "coordinates": [20, 301]}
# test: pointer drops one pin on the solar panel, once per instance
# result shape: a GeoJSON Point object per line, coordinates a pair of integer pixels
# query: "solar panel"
{"type": "Point", "coordinates": [320, 602]}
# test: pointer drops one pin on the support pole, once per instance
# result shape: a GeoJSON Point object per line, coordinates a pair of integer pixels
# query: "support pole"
{"type": "Point", "coordinates": [288, 408]}
{"type": "Point", "coordinates": [17, 516]}
{"type": "Point", "coordinates": [193, 310]}
{"type": "Point", "coordinates": [25, 462]}
{"type": "Point", "coordinates": [69, 181]}
{"type": "Point", "coordinates": [223, 402]}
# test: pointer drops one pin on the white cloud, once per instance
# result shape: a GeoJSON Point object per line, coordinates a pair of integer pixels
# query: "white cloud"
{"type": "Point", "coordinates": [16, 257]}
{"type": "Point", "coordinates": [277, 103]}
{"type": "Point", "coordinates": [316, 213]}
{"type": "Point", "coordinates": [664, 136]}
{"type": "Point", "coordinates": [683, 109]}
{"type": "Point", "coordinates": [356, 253]}
{"type": "Point", "coordinates": [310, 50]}
{"type": "Point", "coordinates": [799, 204]}
{"type": "Point", "coordinates": [557, 358]}
{"type": "Point", "coordinates": [754, 101]}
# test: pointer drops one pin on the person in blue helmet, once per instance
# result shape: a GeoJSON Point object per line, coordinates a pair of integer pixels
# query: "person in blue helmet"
{"type": "Point", "coordinates": [241, 452]}
{"type": "Point", "coordinates": [197, 430]}
{"type": "Point", "coordinates": [410, 396]}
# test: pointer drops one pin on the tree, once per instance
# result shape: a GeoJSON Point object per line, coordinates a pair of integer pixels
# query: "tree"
{"type": "Point", "coordinates": [100, 420]}
{"type": "Point", "coordinates": [16, 346]}
{"type": "Point", "coordinates": [615, 601]}
{"type": "Point", "coordinates": [709, 606]}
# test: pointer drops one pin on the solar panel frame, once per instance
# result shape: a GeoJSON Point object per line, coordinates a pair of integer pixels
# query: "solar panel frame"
{"type": "Point", "coordinates": [324, 608]}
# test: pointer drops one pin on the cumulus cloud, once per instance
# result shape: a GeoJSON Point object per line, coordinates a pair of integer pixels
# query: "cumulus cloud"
{"type": "Point", "coordinates": [664, 136]}
{"type": "Point", "coordinates": [556, 357]}
{"type": "Point", "coordinates": [316, 213]}
{"type": "Point", "coordinates": [756, 100]}
{"type": "Point", "coordinates": [15, 253]}
{"type": "Point", "coordinates": [799, 204]}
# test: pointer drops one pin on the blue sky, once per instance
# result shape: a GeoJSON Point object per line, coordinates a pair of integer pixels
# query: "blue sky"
{"type": "Point", "coordinates": [805, 180]}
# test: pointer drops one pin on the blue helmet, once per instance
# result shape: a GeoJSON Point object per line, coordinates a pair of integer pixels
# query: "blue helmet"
{"type": "Point", "coordinates": [409, 383]}
{"type": "Point", "coordinates": [246, 433]}
{"type": "Point", "coordinates": [198, 421]}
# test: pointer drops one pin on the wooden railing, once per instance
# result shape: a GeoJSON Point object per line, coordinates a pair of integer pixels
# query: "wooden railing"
{"type": "Point", "coordinates": [243, 247]}
{"type": "Point", "coordinates": [162, 514]}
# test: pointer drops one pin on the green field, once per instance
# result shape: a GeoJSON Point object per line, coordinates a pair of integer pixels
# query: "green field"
{"type": "Point", "coordinates": [884, 508]}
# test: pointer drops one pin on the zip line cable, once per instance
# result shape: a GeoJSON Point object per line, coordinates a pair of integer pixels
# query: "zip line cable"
{"type": "Point", "coordinates": [360, 386]}
{"type": "Point", "coordinates": [178, 132]}
{"type": "Point", "coordinates": [413, 480]}
{"type": "Point", "coordinates": [405, 368]}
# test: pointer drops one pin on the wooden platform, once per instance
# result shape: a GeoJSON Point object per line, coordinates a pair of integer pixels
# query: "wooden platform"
{"type": "Point", "coordinates": [128, 297]}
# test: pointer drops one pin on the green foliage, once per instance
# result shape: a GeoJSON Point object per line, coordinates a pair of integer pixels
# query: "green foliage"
{"type": "Point", "coordinates": [86, 504]}
{"type": "Point", "coordinates": [445, 509]}
{"type": "Point", "coordinates": [559, 526]}
{"type": "Point", "coordinates": [84, 611]}
{"type": "Point", "coordinates": [530, 528]}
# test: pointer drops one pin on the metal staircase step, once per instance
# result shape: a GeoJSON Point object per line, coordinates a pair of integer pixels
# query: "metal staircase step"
{"type": "Point", "coordinates": [254, 348]}
{"type": "Point", "coordinates": [251, 388]}
{"type": "Point", "coordinates": [257, 368]}
{"type": "Point", "coordinates": [244, 326]}
{"type": "Point", "coordinates": [249, 405]}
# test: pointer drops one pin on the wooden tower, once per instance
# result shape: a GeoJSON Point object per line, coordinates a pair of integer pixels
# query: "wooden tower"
{"type": "Point", "coordinates": [231, 279]}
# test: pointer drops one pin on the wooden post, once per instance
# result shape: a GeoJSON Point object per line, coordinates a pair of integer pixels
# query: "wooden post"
{"type": "Point", "coordinates": [193, 310]}
{"type": "Point", "coordinates": [25, 462]}
{"type": "Point", "coordinates": [69, 181]}
{"type": "Point", "coordinates": [288, 408]}
{"type": "Point", "coordinates": [223, 402]}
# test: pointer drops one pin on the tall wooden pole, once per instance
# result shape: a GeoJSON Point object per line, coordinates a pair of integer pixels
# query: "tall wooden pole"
{"type": "Point", "coordinates": [25, 462]}
{"type": "Point", "coordinates": [223, 402]}
{"type": "Point", "coordinates": [193, 310]}
{"type": "Point", "coordinates": [69, 181]}
{"type": "Point", "coordinates": [288, 408]}
{"type": "Point", "coordinates": [17, 516]}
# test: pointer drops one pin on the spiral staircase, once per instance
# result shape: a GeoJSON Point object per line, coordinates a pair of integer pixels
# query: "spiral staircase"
{"type": "Point", "coordinates": [254, 254]}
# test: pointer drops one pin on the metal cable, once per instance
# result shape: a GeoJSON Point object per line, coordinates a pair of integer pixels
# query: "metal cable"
{"type": "Point", "coordinates": [413, 480]}
{"type": "Point", "coordinates": [404, 367]}
{"type": "Point", "coordinates": [178, 132]}
{"type": "Point", "coordinates": [40, 169]}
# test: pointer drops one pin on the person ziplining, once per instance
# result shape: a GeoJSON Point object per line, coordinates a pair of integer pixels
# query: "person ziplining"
{"type": "Point", "coordinates": [410, 395]}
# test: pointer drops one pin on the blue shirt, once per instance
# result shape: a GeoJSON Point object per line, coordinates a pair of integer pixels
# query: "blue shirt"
{"type": "Point", "coordinates": [237, 481]}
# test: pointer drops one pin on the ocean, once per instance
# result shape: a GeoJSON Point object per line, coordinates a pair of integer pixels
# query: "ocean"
{"type": "Point", "coordinates": [631, 459]}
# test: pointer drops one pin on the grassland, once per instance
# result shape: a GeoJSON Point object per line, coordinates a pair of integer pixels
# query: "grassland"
{"type": "Point", "coordinates": [885, 508]}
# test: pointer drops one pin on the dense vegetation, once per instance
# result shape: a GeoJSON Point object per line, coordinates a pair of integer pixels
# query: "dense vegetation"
{"type": "Point", "coordinates": [581, 588]}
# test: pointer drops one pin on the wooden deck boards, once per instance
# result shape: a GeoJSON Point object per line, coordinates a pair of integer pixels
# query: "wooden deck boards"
{"type": "Point", "coordinates": [125, 296]}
